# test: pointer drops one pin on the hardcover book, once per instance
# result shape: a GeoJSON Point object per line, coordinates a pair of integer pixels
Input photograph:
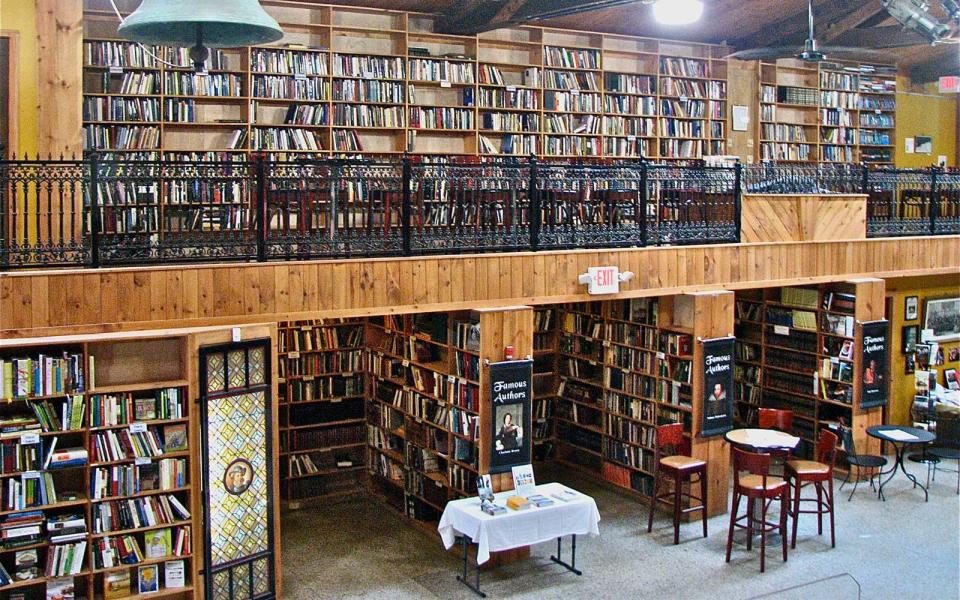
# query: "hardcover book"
{"type": "Point", "coordinates": [174, 574]}
{"type": "Point", "coordinates": [144, 409]}
{"type": "Point", "coordinates": [175, 437]}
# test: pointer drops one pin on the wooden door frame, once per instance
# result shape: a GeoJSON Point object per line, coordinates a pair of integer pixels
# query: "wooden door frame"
{"type": "Point", "coordinates": [13, 86]}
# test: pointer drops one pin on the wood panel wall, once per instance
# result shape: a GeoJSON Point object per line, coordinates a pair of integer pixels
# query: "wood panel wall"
{"type": "Point", "coordinates": [774, 217]}
{"type": "Point", "coordinates": [62, 302]}
{"type": "Point", "coordinates": [60, 50]}
{"type": "Point", "coordinates": [870, 306]}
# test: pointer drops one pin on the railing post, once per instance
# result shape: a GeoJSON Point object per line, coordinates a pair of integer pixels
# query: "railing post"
{"type": "Point", "coordinates": [737, 196]}
{"type": "Point", "coordinates": [96, 222]}
{"type": "Point", "coordinates": [405, 206]}
{"type": "Point", "coordinates": [536, 216]}
{"type": "Point", "coordinates": [260, 175]}
{"type": "Point", "coordinates": [934, 199]}
{"type": "Point", "coordinates": [644, 192]}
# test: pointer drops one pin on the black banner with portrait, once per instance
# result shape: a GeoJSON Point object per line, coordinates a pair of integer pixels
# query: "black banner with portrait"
{"type": "Point", "coordinates": [717, 386]}
{"type": "Point", "coordinates": [876, 365]}
{"type": "Point", "coordinates": [511, 403]}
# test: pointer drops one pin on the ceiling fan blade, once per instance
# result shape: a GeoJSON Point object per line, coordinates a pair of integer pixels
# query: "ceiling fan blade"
{"type": "Point", "coordinates": [767, 53]}
{"type": "Point", "coordinates": [866, 54]}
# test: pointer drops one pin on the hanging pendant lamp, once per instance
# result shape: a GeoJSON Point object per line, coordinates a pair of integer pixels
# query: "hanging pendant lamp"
{"type": "Point", "coordinates": [201, 24]}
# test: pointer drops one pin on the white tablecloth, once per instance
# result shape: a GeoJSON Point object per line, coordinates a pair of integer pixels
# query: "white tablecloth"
{"type": "Point", "coordinates": [762, 439]}
{"type": "Point", "coordinates": [516, 529]}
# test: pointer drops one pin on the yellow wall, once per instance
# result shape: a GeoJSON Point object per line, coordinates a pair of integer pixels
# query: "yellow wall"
{"type": "Point", "coordinates": [902, 385]}
{"type": "Point", "coordinates": [20, 15]}
{"type": "Point", "coordinates": [921, 110]}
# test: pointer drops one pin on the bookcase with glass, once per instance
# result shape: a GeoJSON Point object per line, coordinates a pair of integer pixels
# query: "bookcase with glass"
{"type": "Point", "coordinates": [95, 467]}
{"type": "Point", "coordinates": [625, 368]}
{"type": "Point", "coordinates": [322, 384]}
{"type": "Point", "coordinates": [795, 351]}
{"type": "Point", "coordinates": [423, 410]}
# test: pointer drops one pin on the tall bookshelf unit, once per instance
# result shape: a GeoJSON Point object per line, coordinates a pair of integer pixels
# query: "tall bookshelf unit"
{"type": "Point", "coordinates": [423, 410]}
{"type": "Point", "coordinates": [133, 426]}
{"type": "Point", "coordinates": [351, 80]}
{"type": "Point", "coordinates": [831, 112]}
{"type": "Point", "coordinates": [797, 349]}
{"type": "Point", "coordinates": [626, 367]}
{"type": "Point", "coordinates": [546, 379]}
{"type": "Point", "coordinates": [322, 386]}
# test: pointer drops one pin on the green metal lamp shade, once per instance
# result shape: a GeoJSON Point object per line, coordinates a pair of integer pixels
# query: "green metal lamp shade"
{"type": "Point", "coordinates": [219, 23]}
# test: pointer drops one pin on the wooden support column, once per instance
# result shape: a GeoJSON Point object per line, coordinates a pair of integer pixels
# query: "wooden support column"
{"type": "Point", "coordinates": [499, 328]}
{"type": "Point", "coordinates": [870, 303]}
{"type": "Point", "coordinates": [712, 317]}
{"type": "Point", "coordinates": [60, 54]}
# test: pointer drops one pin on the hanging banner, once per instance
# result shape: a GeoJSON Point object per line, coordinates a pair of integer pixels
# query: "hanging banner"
{"type": "Point", "coordinates": [511, 398]}
{"type": "Point", "coordinates": [875, 364]}
{"type": "Point", "coordinates": [717, 386]}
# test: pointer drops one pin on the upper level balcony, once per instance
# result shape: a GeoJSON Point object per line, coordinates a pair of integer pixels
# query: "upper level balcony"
{"type": "Point", "coordinates": [102, 211]}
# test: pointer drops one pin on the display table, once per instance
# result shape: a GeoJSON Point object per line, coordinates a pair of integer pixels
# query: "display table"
{"type": "Point", "coordinates": [463, 519]}
{"type": "Point", "coordinates": [901, 437]}
{"type": "Point", "coordinates": [762, 440]}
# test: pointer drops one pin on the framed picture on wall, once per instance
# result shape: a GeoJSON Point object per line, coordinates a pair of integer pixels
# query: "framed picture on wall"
{"type": "Point", "coordinates": [942, 318]}
{"type": "Point", "coordinates": [910, 365]}
{"type": "Point", "coordinates": [910, 335]}
{"type": "Point", "coordinates": [954, 355]}
{"type": "Point", "coordinates": [910, 305]}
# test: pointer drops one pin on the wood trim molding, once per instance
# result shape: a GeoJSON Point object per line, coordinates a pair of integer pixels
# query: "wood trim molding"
{"type": "Point", "coordinates": [61, 302]}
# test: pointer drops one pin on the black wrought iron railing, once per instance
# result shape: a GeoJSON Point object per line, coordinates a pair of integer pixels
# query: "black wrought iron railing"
{"type": "Point", "coordinates": [103, 211]}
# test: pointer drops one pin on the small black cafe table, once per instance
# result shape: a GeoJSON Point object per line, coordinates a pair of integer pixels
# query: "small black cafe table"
{"type": "Point", "coordinates": [901, 437]}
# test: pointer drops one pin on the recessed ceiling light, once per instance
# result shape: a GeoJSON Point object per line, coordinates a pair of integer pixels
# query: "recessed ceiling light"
{"type": "Point", "coordinates": [677, 12]}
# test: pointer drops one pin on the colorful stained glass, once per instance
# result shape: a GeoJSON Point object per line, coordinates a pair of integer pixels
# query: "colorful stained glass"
{"type": "Point", "coordinates": [237, 430]}
{"type": "Point", "coordinates": [241, 581]}
{"type": "Point", "coordinates": [257, 366]}
{"type": "Point", "coordinates": [261, 577]}
{"type": "Point", "coordinates": [221, 585]}
{"type": "Point", "coordinates": [215, 375]}
{"type": "Point", "coordinates": [237, 369]}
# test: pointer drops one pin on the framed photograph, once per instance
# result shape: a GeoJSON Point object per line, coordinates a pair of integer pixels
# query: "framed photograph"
{"type": "Point", "coordinates": [910, 365]}
{"type": "Point", "coordinates": [910, 305]}
{"type": "Point", "coordinates": [910, 336]}
{"type": "Point", "coordinates": [951, 379]}
{"type": "Point", "coordinates": [942, 317]}
{"type": "Point", "coordinates": [954, 355]}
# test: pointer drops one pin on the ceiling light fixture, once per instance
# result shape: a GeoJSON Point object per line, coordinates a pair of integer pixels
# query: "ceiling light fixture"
{"type": "Point", "coordinates": [677, 12]}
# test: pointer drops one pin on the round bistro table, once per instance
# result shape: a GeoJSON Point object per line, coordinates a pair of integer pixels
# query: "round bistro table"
{"type": "Point", "coordinates": [762, 440]}
{"type": "Point", "coordinates": [887, 433]}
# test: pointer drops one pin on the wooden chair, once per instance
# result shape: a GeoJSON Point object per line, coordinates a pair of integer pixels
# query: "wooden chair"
{"type": "Point", "coordinates": [862, 462]}
{"type": "Point", "coordinates": [672, 461]}
{"type": "Point", "coordinates": [757, 485]}
{"type": "Point", "coordinates": [781, 420]}
{"type": "Point", "coordinates": [802, 473]}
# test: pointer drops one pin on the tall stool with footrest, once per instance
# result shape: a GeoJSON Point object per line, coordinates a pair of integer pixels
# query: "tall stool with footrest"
{"type": "Point", "coordinates": [757, 485]}
{"type": "Point", "coordinates": [802, 473]}
{"type": "Point", "coordinates": [672, 461]}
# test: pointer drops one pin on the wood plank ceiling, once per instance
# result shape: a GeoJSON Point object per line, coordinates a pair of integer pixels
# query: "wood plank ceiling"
{"type": "Point", "coordinates": [740, 23]}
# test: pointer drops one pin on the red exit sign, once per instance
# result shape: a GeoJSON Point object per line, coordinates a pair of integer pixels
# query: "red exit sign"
{"type": "Point", "coordinates": [604, 280]}
{"type": "Point", "coordinates": [950, 84]}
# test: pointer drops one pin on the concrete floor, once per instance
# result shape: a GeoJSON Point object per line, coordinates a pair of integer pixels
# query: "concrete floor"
{"type": "Point", "coordinates": [899, 549]}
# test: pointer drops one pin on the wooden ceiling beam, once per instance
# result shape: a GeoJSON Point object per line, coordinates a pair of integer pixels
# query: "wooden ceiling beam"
{"type": "Point", "coordinates": [485, 15]}
{"type": "Point", "coordinates": [893, 36]}
{"type": "Point", "coordinates": [935, 68]}
{"type": "Point", "coordinates": [793, 29]}
{"type": "Point", "coordinates": [853, 20]}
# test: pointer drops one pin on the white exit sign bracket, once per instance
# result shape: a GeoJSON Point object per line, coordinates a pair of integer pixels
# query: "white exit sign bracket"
{"type": "Point", "coordinates": [604, 280]}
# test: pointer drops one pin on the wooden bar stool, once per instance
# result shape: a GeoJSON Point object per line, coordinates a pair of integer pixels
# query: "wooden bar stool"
{"type": "Point", "coordinates": [802, 473]}
{"type": "Point", "coordinates": [671, 461]}
{"type": "Point", "coordinates": [757, 485]}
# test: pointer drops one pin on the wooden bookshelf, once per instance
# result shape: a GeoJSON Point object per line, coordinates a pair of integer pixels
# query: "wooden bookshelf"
{"type": "Point", "coordinates": [423, 410]}
{"type": "Point", "coordinates": [128, 391]}
{"type": "Point", "coordinates": [826, 113]}
{"type": "Point", "coordinates": [626, 367]}
{"type": "Point", "coordinates": [797, 349]}
{"type": "Point", "coordinates": [546, 379]}
{"type": "Point", "coordinates": [530, 90]}
{"type": "Point", "coordinates": [322, 383]}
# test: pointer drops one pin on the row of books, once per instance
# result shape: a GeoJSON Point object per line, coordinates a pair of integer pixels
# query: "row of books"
{"type": "Point", "coordinates": [629, 84]}
{"type": "Point", "coordinates": [633, 105]}
{"type": "Point", "coordinates": [512, 145]}
{"type": "Point", "coordinates": [65, 559]}
{"type": "Point", "coordinates": [831, 99]}
{"type": "Point", "coordinates": [323, 437]}
{"type": "Point", "coordinates": [510, 122]}
{"type": "Point", "coordinates": [42, 376]}
{"type": "Point", "coordinates": [269, 138]}
{"type": "Point", "coordinates": [441, 118]}
{"type": "Point", "coordinates": [120, 409]}
{"type": "Point", "coordinates": [441, 70]}
{"type": "Point", "coordinates": [324, 388]}
{"type": "Point", "coordinates": [875, 138]}
{"type": "Point", "coordinates": [571, 58]}
{"type": "Point", "coordinates": [688, 148]}
{"type": "Point", "coordinates": [556, 123]}
{"type": "Point", "coordinates": [368, 90]}
{"type": "Point", "coordinates": [126, 480]}
{"type": "Point", "coordinates": [716, 90]}
{"type": "Point", "coordinates": [281, 87]}
{"type": "Point", "coordinates": [108, 53]}
{"type": "Point", "coordinates": [692, 108]}
{"type": "Point", "coordinates": [368, 67]}
{"type": "Point", "coordinates": [881, 121]}
{"type": "Point", "coordinates": [322, 364]}
{"type": "Point", "coordinates": [786, 151]}
{"type": "Point", "coordinates": [138, 513]}
{"type": "Point", "coordinates": [197, 84]}
{"type": "Point", "coordinates": [503, 98]}
{"type": "Point", "coordinates": [120, 138]}
{"type": "Point", "coordinates": [570, 80]}
{"type": "Point", "coordinates": [784, 133]}
{"type": "Point", "coordinates": [684, 67]}
{"type": "Point", "coordinates": [110, 552]}
{"type": "Point", "coordinates": [288, 61]}
{"type": "Point", "coordinates": [572, 101]}
{"type": "Point", "coordinates": [309, 338]}
{"type": "Point", "coordinates": [123, 444]}
{"type": "Point", "coordinates": [571, 146]}
{"type": "Point", "coordinates": [32, 489]}
{"type": "Point", "coordinates": [97, 108]}
{"type": "Point", "coordinates": [349, 115]}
